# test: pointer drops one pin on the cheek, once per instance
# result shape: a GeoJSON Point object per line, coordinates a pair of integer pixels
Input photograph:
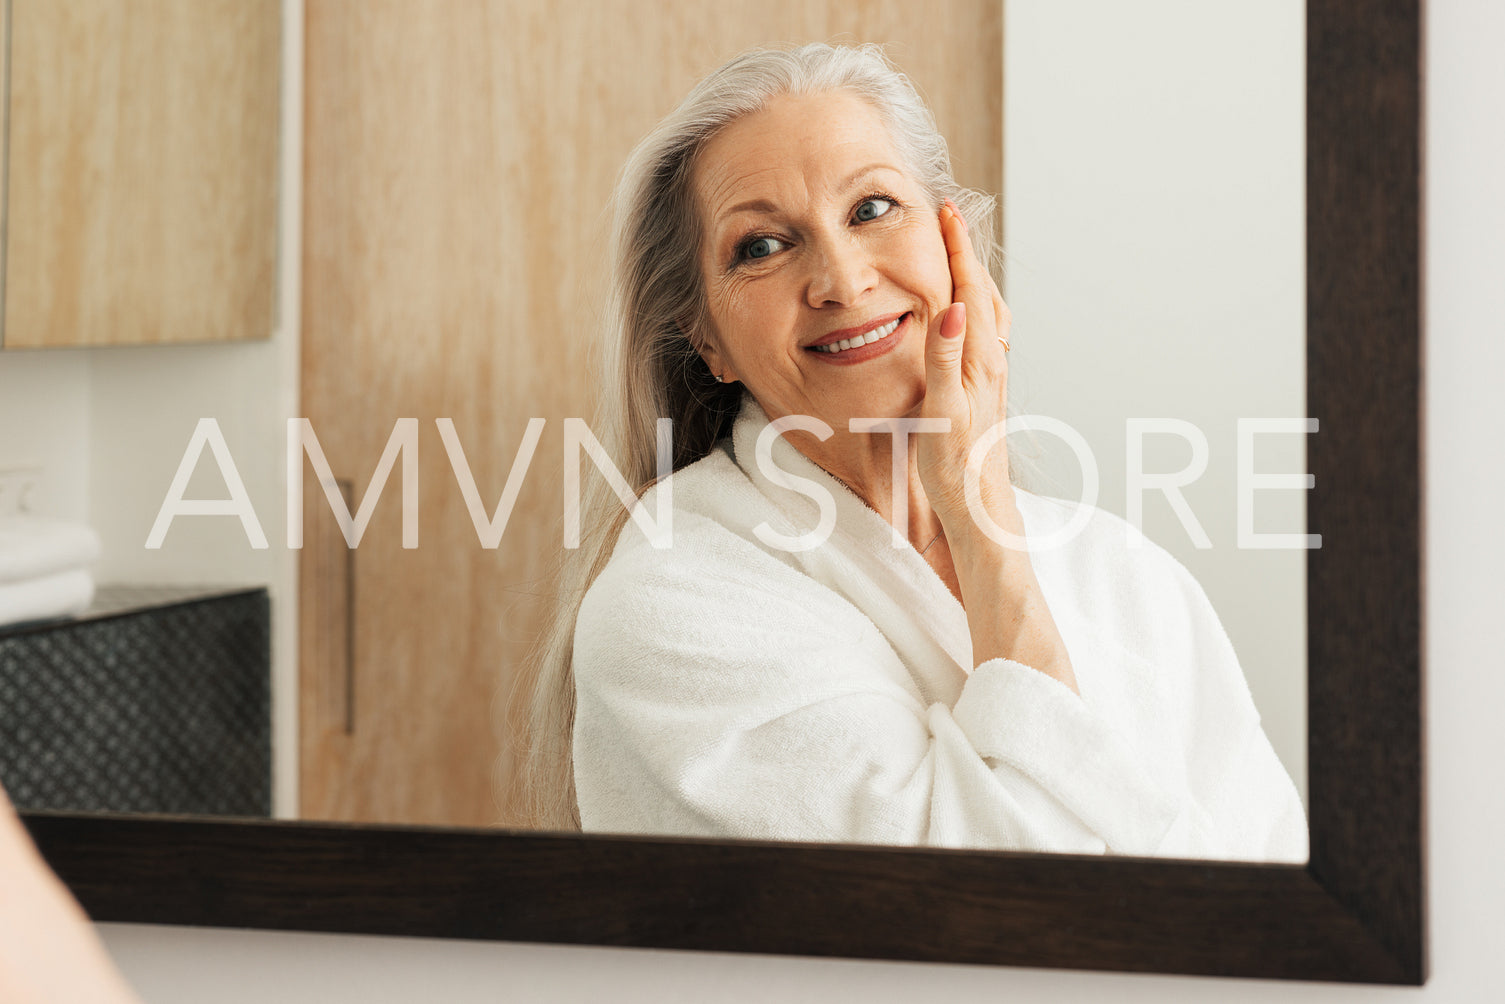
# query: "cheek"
{"type": "Point", "coordinates": [930, 267]}
{"type": "Point", "coordinates": [726, 301]}
{"type": "Point", "coordinates": [741, 311]}
{"type": "Point", "coordinates": [734, 308]}
{"type": "Point", "coordinates": [759, 306]}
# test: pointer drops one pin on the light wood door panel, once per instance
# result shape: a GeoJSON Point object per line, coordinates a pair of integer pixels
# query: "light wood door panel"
{"type": "Point", "coordinates": [459, 157]}
{"type": "Point", "coordinates": [142, 191]}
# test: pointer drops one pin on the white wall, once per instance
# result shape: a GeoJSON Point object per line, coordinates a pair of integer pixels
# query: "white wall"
{"type": "Point", "coordinates": [1466, 828]}
{"type": "Point", "coordinates": [1155, 228]}
{"type": "Point", "coordinates": [44, 426]}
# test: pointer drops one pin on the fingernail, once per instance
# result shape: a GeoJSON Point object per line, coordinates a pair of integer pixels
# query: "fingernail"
{"type": "Point", "coordinates": [955, 321]}
{"type": "Point", "coordinates": [957, 213]}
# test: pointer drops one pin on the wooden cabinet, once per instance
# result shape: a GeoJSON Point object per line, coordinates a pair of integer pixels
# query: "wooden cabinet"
{"type": "Point", "coordinates": [141, 200]}
{"type": "Point", "coordinates": [458, 159]}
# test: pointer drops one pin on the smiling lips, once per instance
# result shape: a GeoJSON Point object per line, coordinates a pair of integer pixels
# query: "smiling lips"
{"type": "Point", "coordinates": [849, 345]}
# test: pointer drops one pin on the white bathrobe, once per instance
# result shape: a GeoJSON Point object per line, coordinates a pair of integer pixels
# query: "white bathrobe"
{"type": "Point", "coordinates": [728, 688]}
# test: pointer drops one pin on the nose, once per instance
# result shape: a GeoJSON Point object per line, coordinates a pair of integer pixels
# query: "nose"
{"type": "Point", "coordinates": [842, 272]}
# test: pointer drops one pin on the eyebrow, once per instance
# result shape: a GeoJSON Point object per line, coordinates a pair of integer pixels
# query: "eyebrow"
{"type": "Point", "coordinates": [764, 206]}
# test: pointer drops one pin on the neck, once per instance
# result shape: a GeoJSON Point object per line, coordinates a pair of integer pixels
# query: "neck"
{"type": "Point", "coordinates": [864, 462]}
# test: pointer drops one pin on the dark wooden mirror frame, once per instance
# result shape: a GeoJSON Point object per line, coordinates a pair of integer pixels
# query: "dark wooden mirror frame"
{"type": "Point", "coordinates": [1355, 912]}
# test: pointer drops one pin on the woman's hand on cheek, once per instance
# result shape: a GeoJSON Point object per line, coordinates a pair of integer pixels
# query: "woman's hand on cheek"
{"type": "Point", "coordinates": [966, 374]}
{"type": "Point", "coordinates": [966, 381]}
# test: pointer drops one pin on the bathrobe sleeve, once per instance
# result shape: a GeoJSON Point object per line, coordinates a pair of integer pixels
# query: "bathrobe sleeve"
{"type": "Point", "coordinates": [723, 693]}
{"type": "Point", "coordinates": [1153, 659]}
{"type": "Point", "coordinates": [1237, 799]}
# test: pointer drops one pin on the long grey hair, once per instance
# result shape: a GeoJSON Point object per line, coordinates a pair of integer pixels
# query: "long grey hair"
{"type": "Point", "coordinates": [656, 323]}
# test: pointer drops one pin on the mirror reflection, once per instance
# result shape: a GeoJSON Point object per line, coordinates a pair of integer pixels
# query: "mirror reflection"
{"type": "Point", "coordinates": [474, 339]}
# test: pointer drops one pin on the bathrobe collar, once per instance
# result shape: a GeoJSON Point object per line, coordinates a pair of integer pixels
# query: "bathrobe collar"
{"type": "Point", "coordinates": [893, 585]}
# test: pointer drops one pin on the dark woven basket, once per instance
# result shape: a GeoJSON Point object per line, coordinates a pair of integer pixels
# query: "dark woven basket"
{"type": "Point", "coordinates": [155, 700]}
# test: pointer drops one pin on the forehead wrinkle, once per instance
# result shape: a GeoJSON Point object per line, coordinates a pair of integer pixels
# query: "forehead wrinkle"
{"type": "Point", "coordinates": [731, 185]}
{"type": "Point", "coordinates": [722, 181]}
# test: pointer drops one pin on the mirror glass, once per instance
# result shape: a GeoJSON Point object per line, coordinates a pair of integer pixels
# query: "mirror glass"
{"type": "Point", "coordinates": [447, 263]}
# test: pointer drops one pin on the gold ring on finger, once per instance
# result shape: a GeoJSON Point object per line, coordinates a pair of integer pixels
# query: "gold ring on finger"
{"type": "Point", "coordinates": [1004, 342]}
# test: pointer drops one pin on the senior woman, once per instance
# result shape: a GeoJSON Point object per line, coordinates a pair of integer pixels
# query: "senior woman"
{"type": "Point", "coordinates": [844, 639]}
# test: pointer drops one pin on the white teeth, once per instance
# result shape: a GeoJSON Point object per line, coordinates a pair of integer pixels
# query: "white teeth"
{"type": "Point", "coordinates": [872, 336]}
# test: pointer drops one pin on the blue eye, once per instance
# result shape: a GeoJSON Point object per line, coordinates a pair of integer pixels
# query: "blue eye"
{"type": "Point", "coordinates": [871, 209]}
{"type": "Point", "coordinates": [761, 247]}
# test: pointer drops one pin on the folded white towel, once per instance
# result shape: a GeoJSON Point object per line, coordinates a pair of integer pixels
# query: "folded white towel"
{"type": "Point", "coordinates": [33, 546]}
{"type": "Point", "coordinates": [60, 594]}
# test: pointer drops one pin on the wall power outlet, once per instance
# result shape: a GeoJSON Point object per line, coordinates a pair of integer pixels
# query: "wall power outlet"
{"type": "Point", "coordinates": [20, 488]}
